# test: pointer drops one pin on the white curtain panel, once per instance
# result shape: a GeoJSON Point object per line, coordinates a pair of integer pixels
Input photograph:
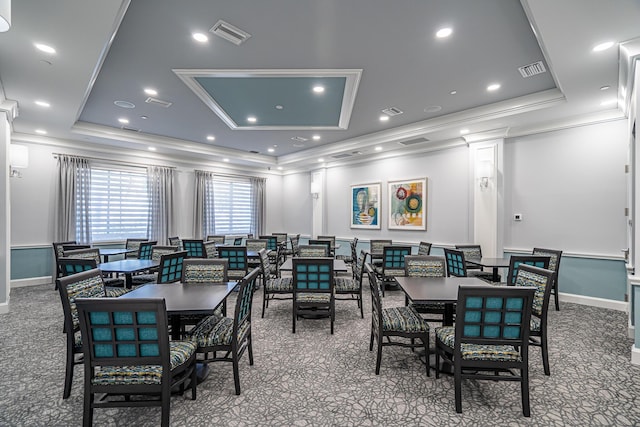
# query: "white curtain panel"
{"type": "Point", "coordinates": [161, 210]}
{"type": "Point", "coordinates": [73, 200]}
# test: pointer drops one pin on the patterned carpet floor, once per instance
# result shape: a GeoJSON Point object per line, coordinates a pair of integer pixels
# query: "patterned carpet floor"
{"type": "Point", "coordinates": [312, 378]}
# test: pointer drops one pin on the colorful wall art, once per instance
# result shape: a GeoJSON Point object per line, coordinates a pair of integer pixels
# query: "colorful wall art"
{"type": "Point", "coordinates": [408, 204]}
{"type": "Point", "coordinates": [365, 206]}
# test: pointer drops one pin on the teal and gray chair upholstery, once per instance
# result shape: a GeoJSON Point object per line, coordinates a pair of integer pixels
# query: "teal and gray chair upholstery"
{"type": "Point", "coordinates": [58, 252]}
{"type": "Point", "coordinates": [85, 284]}
{"type": "Point", "coordinates": [542, 280]}
{"type": "Point", "coordinates": [350, 288]}
{"type": "Point", "coordinates": [256, 245]}
{"type": "Point", "coordinates": [313, 251]}
{"type": "Point", "coordinates": [230, 337]}
{"type": "Point", "coordinates": [237, 241]}
{"type": "Point", "coordinates": [515, 261]}
{"type": "Point", "coordinates": [69, 266]}
{"type": "Point", "coordinates": [195, 248]}
{"type": "Point", "coordinates": [94, 254]}
{"type": "Point", "coordinates": [424, 248]}
{"type": "Point", "coordinates": [156, 254]}
{"type": "Point", "coordinates": [376, 250]}
{"type": "Point", "coordinates": [272, 242]}
{"type": "Point", "coordinates": [490, 337]}
{"type": "Point", "coordinates": [127, 352]}
{"type": "Point", "coordinates": [474, 252]}
{"type": "Point", "coordinates": [313, 288]}
{"type": "Point", "coordinates": [295, 243]}
{"type": "Point", "coordinates": [331, 239]}
{"type": "Point", "coordinates": [273, 287]}
{"type": "Point", "coordinates": [175, 241]}
{"type": "Point", "coordinates": [392, 264]}
{"type": "Point", "coordinates": [554, 265]}
{"type": "Point", "coordinates": [210, 249]}
{"type": "Point", "coordinates": [426, 266]}
{"type": "Point", "coordinates": [145, 248]}
{"type": "Point", "coordinates": [322, 242]}
{"type": "Point", "coordinates": [395, 326]}
{"type": "Point", "coordinates": [282, 239]}
{"type": "Point", "coordinates": [170, 268]}
{"type": "Point", "coordinates": [352, 258]}
{"type": "Point", "coordinates": [457, 266]}
{"type": "Point", "coordinates": [208, 272]}
{"type": "Point", "coordinates": [237, 257]}
{"type": "Point", "coordinates": [134, 245]}
{"type": "Point", "coordinates": [216, 239]}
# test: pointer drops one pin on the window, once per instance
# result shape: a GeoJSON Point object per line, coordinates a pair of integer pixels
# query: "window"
{"type": "Point", "coordinates": [118, 204]}
{"type": "Point", "coordinates": [231, 203]}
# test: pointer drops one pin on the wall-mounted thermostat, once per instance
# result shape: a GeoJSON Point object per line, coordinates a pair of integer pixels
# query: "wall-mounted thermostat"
{"type": "Point", "coordinates": [517, 217]}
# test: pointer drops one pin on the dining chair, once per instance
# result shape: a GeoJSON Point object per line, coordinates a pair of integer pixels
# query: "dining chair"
{"type": "Point", "coordinates": [332, 246]}
{"type": "Point", "coordinates": [457, 266]}
{"type": "Point", "coordinates": [237, 258]}
{"type": "Point", "coordinates": [376, 249]}
{"type": "Point", "coordinates": [58, 252]}
{"type": "Point", "coordinates": [94, 254]}
{"type": "Point", "coordinates": [350, 288]}
{"type": "Point", "coordinates": [207, 272]}
{"type": "Point", "coordinates": [224, 339]}
{"type": "Point", "coordinates": [516, 260]}
{"type": "Point", "coordinates": [490, 338]}
{"type": "Point", "coordinates": [394, 326]}
{"type": "Point", "coordinates": [133, 245]}
{"type": "Point", "coordinates": [426, 266]}
{"type": "Point", "coordinates": [216, 238]}
{"type": "Point", "coordinates": [144, 250]}
{"type": "Point", "coordinates": [210, 249]}
{"type": "Point", "coordinates": [127, 352]}
{"type": "Point", "coordinates": [392, 265]}
{"type": "Point", "coordinates": [542, 280]}
{"type": "Point", "coordinates": [237, 241]}
{"type": "Point", "coordinates": [353, 254]}
{"type": "Point", "coordinates": [170, 267]}
{"type": "Point", "coordinates": [156, 255]}
{"type": "Point", "coordinates": [313, 289]}
{"type": "Point", "coordinates": [295, 242]}
{"type": "Point", "coordinates": [424, 248]}
{"type": "Point", "coordinates": [84, 284]}
{"type": "Point", "coordinates": [175, 241]}
{"type": "Point", "coordinates": [256, 245]}
{"type": "Point", "coordinates": [554, 265]}
{"type": "Point", "coordinates": [194, 247]}
{"type": "Point", "coordinates": [273, 287]}
{"type": "Point", "coordinates": [322, 242]}
{"type": "Point", "coordinates": [313, 251]}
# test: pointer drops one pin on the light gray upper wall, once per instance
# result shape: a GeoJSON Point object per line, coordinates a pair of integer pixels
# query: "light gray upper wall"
{"type": "Point", "coordinates": [296, 204]}
{"type": "Point", "coordinates": [570, 187]}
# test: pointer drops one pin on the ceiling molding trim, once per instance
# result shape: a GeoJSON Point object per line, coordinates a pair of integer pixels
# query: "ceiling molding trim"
{"type": "Point", "coordinates": [489, 135]}
{"type": "Point", "coordinates": [629, 54]}
{"type": "Point", "coordinates": [568, 123]}
{"type": "Point", "coordinates": [352, 81]}
{"type": "Point", "coordinates": [10, 107]}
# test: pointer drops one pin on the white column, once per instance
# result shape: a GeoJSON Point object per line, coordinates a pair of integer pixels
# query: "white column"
{"type": "Point", "coordinates": [5, 213]}
{"type": "Point", "coordinates": [318, 183]}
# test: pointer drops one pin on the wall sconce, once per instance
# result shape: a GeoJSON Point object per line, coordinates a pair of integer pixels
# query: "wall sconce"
{"type": "Point", "coordinates": [315, 189]}
{"type": "Point", "coordinates": [18, 159]}
{"type": "Point", "coordinates": [5, 15]}
{"type": "Point", "coordinates": [484, 171]}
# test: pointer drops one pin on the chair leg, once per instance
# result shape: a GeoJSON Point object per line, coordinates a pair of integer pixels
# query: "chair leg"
{"type": "Point", "coordinates": [545, 353]}
{"type": "Point", "coordinates": [166, 405]}
{"type": "Point", "coordinates": [458, 387]}
{"type": "Point", "coordinates": [361, 304]}
{"type": "Point", "coordinates": [87, 416]}
{"type": "Point", "coordinates": [333, 317]}
{"type": "Point", "coordinates": [250, 348]}
{"type": "Point", "coordinates": [264, 300]}
{"type": "Point", "coordinates": [379, 356]}
{"type": "Point", "coordinates": [293, 327]}
{"type": "Point", "coordinates": [236, 372]}
{"type": "Point", "coordinates": [427, 354]}
{"type": "Point", "coordinates": [68, 374]}
{"type": "Point", "coordinates": [555, 295]}
{"type": "Point", "coordinates": [524, 382]}
{"type": "Point", "coordinates": [437, 363]}
{"type": "Point", "coordinates": [194, 381]}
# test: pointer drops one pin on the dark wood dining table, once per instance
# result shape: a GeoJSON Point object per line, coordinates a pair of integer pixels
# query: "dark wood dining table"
{"type": "Point", "coordinates": [493, 263]}
{"type": "Point", "coordinates": [128, 267]}
{"type": "Point", "coordinates": [105, 253]}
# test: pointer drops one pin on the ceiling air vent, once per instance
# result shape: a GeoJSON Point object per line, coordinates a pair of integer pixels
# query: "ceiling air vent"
{"type": "Point", "coordinates": [158, 102]}
{"type": "Point", "coordinates": [299, 139]}
{"type": "Point", "coordinates": [228, 32]}
{"type": "Point", "coordinates": [130, 129]}
{"type": "Point", "coordinates": [532, 69]}
{"type": "Point", "coordinates": [341, 156]}
{"type": "Point", "coordinates": [413, 141]}
{"type": "Point", "coordinates": [392, 111]}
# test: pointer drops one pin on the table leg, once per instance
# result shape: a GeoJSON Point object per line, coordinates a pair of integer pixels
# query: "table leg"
{"type": "Point", "coordinates": [495, 277]}
{"type": "Point", "coordinates": [128, 280]}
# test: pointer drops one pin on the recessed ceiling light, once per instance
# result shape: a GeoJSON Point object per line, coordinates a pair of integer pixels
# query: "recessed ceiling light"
{"type": "Point", "coordinates": [378, 148]}
{"type": "Point", "coordinates": [144, 117]}
{"type": "Point", "coordinates": [124, 104]}
{"type": "Point", "coordinates": [316, 137]}
{"type": "Point", "coordinates": [279, 107]}
{"type": "Point", "coordinates": [493, 86]}
{"type": "Point", "coordinates": [444, 32]}
{"type": "Point", "coordinates": [150, 91]}
{"type": "Point", "coordinates": [464, 131]}
{"type": "Point", "coordinates": [279, 168]}
{"type": "Point", "coordinates": [199, 37]}
{"type": "Point", "coordinates": [320, 160]}
{"type": "Point", "coordinates": [602, 46]}
{"type": "Point", "coordinates": [605, 87]}
{"type": "Point", "coordinates": [123, 120]}
{"type": "Point", "coordinates": [384, 118]}
{"type": "Point", "coordinates": [433, 109]}
{"type": "Point", "coordinates": [44, 48]}
{"type": "Point", "coordinates": [609, 102]}
{"type": "Point", "coordinates": [251, 119]}
{"type": "Point", "coordinates": [271, 150]}
{"type": "Point", "coordinates": [225, 160]}
{"type": "Point", "coordinates": [41, 131]}
{"type": "Point", "coordinates": [453, 92]}
{"type": "Point", "coordinates": [318, 89]}
{"type": "Point", "coordinates": [211, 138]}
{"type": "Point", "coordinates": [43, 103]}
{"type": "Point", "coordinates": [151, 148]}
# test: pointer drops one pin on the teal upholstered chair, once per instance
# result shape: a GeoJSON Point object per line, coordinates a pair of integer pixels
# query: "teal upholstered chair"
{"type": "Point", "coordinates": [313, 251]}
{"type": "Point", "coordinates": [490, 338]}
{"type": "Point", "coordinates": [127, 352]}
{"type": "Point", "coordinates": [207, 272]}
{"type": "Point", "coordinates": [224, 339]}
{"type": "Point", "coordinates": [424, 248]}
{"type": "Point", "coordinates": [237, 257]}
{"type": "Point", "coordinates": [93, 254]}
{"type": "Point", "coordinates": [156, 255]}
{"type": "Point", "coordinates": [313, 288]}
{"type": "Point", "coordinates": [133, 245]}
{"type": "Point", "coordinates": [554, 265]}
{"type": "Point", "coordinates": [170, 268]}
{"type": "Point", "coordinates": [145, 249]}
{"type": "Point", "coordinates": [426, 266]}
{"type": "Point", "coordinates": [392, 265]}
{"type": "Point", "coordinates": [273, 287]}
{"type": "Point", "coordinates": [83, 284]}
{"type": "Point", "coordinates": [394, 326]}
{"type": "Point", "coordinates": [457, 265]}
{"type": "Point", "coordinates": [350, 288]}
{"type": "Point", "coordinates": [515, 261]}
{"type": "Point", "coordinates": [195, 248]}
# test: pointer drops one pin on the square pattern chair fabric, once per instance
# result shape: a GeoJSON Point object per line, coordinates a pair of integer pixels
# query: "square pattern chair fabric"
{"type": "Point", "coordinates": [554, 265]}
{"type": "Point", "coordinates": [237, 261]}
{"type": "Point", "coordinates": [350, 288]}
{"type": "Point", "coordinates": [273, 287]}
{"type": "Point", "coordinates": [516, 260]}
{"type": "Point", "coordinates": [170, 268]}
{"type": "Point", "coordinates": [313, 288]}
{"type": "Point", "coordinates": [195, 248]}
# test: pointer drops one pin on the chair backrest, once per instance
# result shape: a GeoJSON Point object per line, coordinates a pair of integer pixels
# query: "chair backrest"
{"type": "Point", "coordinates": [424, 266]}
{"type": "Point", "coordinates": [281, 238]}
{"type": "Point", "coordinates": [515, 261]}
{"type": "Point", "coordinates": [358, 265]}
{"type": "Point", "coordinates": [424, 248]}
{"type": "Point", "coordinates": [87, 253]}
{"type": "Point", "coordinates": [376, 295]}
{"type": "Point", "coordinates": [242, 313]}
{"type": "Point", "coordinates": [313, 275]}
{"type": "Point", "coordinates": [201, 270]}
{"type": "Point", "coordinates": [554, 257]}
{"type": "Point", "coordinates": [354, 248]}
{"type": "Point", "coordinates": [237, 241]}
{"type": "Point", "coordinates": [272, 242]}
{"type": "Point", "coordinates": [157, 251]}
{"type": "Point", "coordinates": [237, 257]}
{"type": "Point", "coordinates": [195, 248]}
{"type": "Point", "coordinates": [170, 268]}
{"type": "Point", "coordinates": [69, 266]}
{"type": "Point", "coordinates": [215, 238]}
{"type": "Point", "coordinates": [313, 251]}
{"type": "Point", "coordinates": [133, 244]}
{"type": "Point", "coordinates": [86, 284]}
{"type": "Point", "coordinates": [470, 251]}
{"type": "Point", "coordinates": [268, 270]}
{"type": "Point", "coordinates": [295, 244]}
{"type": "Point", "coordinates": [256, 244]}
{"type": "Point", "coordinates": [377, 246]}
{"type": "Point", "coordinates": [323, 242]}
{"type": "Point", "coordinates": [58, 251]}
{"type": "Point", "coordinates": [456, 264]}
{"type": "Point", "coordinates": [145, 249]}
{"type": "Point", "coordinates": [393, 260]}
{"type": "Point", "coordinates": [175, 241]}
{"type": "Point", "coordinates": [125, 332]}
{"type": "Point", "coordinates": [332, 239]}
{"type": "Point", "coordinates": [542, 280]}
{"type": "Point", "coordinates": [210, 249]}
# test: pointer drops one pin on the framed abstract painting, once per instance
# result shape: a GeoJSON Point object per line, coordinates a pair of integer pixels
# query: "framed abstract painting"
{"type": "Point", "coordinates": [408, 204]}
{"type": "Point", "coordinates": [365, 206]}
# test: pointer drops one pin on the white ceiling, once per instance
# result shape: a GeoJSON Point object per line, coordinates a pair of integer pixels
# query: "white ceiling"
{"type": "Point", "coordinates": [109, 50]}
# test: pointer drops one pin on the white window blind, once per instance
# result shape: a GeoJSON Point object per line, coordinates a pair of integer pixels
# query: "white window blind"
{"type": "Point", "coordinates": [232, 202]}
{"type": "Point", "coordinates": [119, 204]}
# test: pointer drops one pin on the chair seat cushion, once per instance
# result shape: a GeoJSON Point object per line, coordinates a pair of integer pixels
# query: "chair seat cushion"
{"type": "Point", "coordinates": [315, 298]}
{"type": "Point", "coordinates": [429, 307]}
{"type": "Point", "coordinates": [180, 352]}
{"type": "Point", "coordinates": [503, 353]}
{"type": "Point", "coordinates": [195, 318]}
{"type": "Point", "coordinates": [214, 331]}
{"type": "Point", "coordinates": [139, 279]}
{"type": "Point", "coordinates": [116, 292]}
{"type": "Point", "coordinates": [113, 281]}
{"type": "Point", "coordinates": [346, 284]}
{"type": "Point", "coordinates": [403, 319]}
{"type": "Point", "coordinates": [280, 284]}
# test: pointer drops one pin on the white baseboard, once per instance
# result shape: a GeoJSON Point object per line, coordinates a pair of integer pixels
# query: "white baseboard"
{"type": "Point", "coordinates": [594, 302]}
{"type": "Point", "coordinates": [31, 281]}
{"type": "Point", "coordinates": [4, 308]}
{"type": "Point", "coordinates": [635, 355]}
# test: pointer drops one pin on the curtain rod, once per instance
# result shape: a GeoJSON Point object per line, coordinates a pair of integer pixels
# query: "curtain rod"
{"type": "Point", "coordinates": [116, 162]}
{"type": "Point", "coordinates": [227, 175]}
